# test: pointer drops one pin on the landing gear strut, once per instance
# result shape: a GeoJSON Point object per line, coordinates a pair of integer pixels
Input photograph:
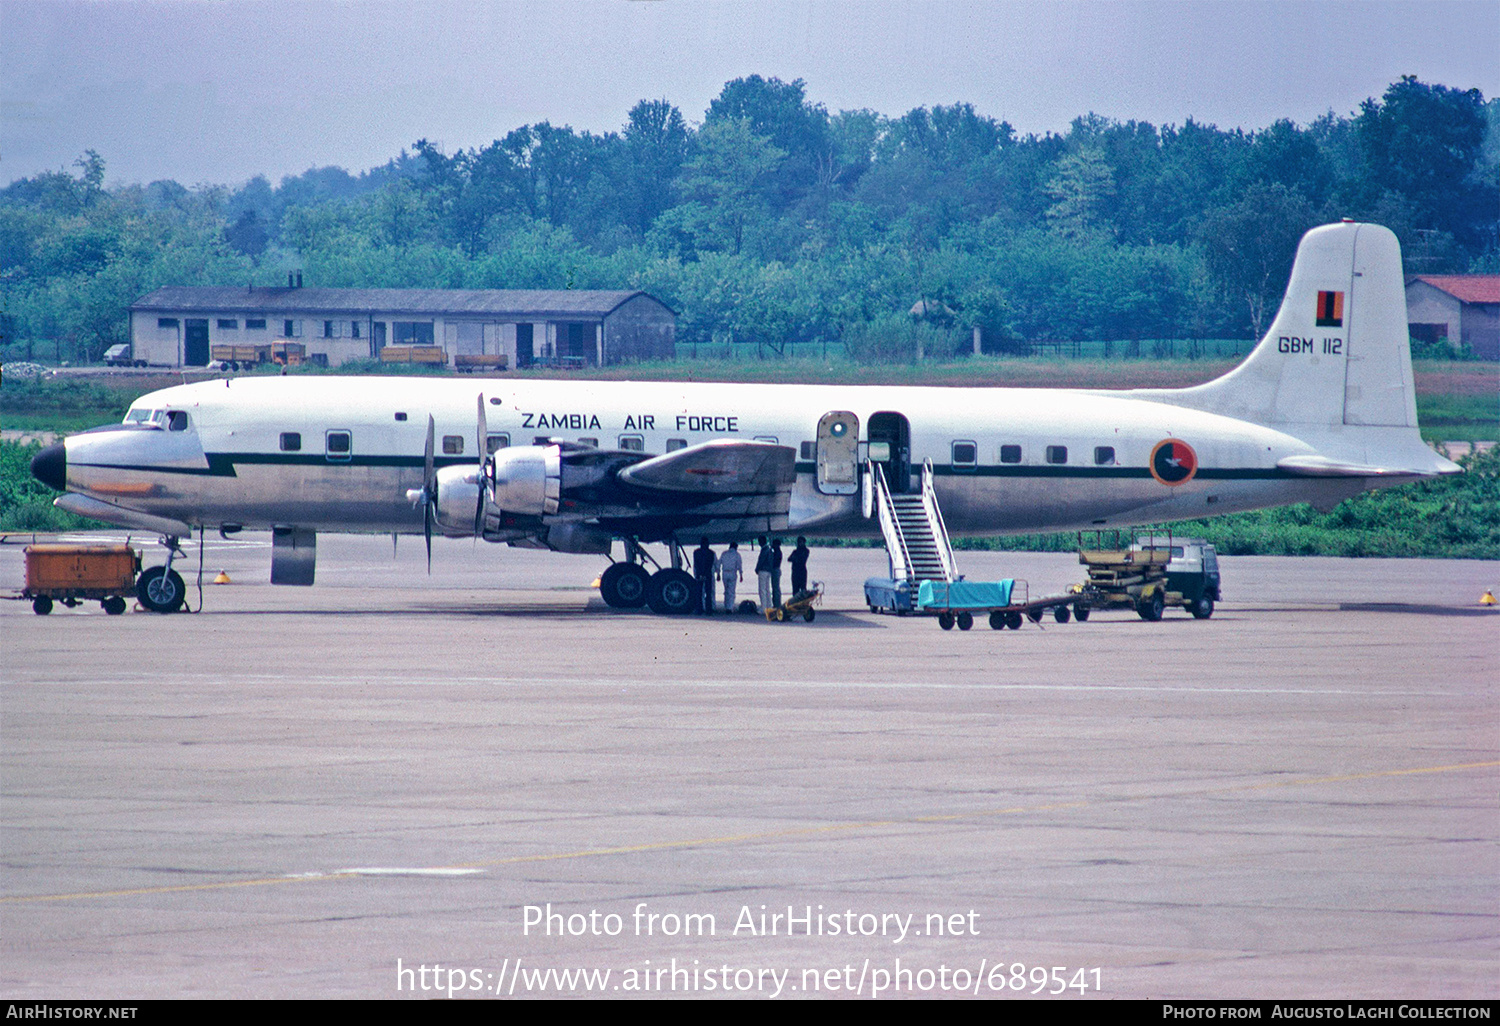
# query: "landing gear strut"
{"type": "Point", "coordinates": [161, 589]}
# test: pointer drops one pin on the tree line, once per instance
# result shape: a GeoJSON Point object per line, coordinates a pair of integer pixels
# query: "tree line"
{"type": "Point", "coordinates": [774, 222]}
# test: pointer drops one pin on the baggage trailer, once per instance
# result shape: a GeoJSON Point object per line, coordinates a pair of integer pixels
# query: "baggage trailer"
{"type": "Point", "coordinates": [236, 356]}
{"type": "Point", "coordinates": [1006, 602]}
{"type": "Point", "coordinates": [800, 604]}
{"type": "Point", "coordinates": [71, 573]}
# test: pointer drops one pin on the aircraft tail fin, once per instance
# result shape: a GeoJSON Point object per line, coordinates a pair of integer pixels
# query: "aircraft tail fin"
{"type": "Point", "coordinates": [1337, 353]}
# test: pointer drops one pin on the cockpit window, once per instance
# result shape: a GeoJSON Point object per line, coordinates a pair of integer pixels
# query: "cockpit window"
{"type": "Point", "coordinates": [177, 420]}
{"type": "Point", "coordinates": [137, 415]}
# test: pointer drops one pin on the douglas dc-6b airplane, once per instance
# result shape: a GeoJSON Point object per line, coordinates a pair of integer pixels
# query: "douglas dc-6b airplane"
{"type": "Point", "coordinates": [1322, 409]}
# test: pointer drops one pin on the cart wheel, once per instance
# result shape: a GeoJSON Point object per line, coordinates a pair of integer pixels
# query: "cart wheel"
{"type": "Point", "coordinates": [114, 605]}
{"type": "Point", "coordinates": [1061, 614]}
{"type": "Point", "coordinates": [780, 614]}
{"type": "Point", "coordinates": [1080, 611]}
{"type": "Point", "coordinates": [1203, 608]}
{"type": "Point", "coordinates": [1013, 621]}
{"type": "Point", "coordinates": [808, 614]}
{"type": "Point", "coordinates": [41, 605]}
{"type": "Point", "coordinates": [945, 621]}
{"type": "Point", "coordinates": [1034, 615]}
{"type": "Point", "coordinates": [997, 621]}
{"type": "Point", "coordinates": [965, 621]}
{"type": "Point", "coordinates": [71, 603]}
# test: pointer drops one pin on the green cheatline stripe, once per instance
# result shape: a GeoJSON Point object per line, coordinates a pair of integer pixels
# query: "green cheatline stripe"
{"type": "Point", "coordinates": [223, 465]}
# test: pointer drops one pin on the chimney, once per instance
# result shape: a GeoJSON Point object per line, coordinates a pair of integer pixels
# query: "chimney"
{"type": "Point", "coordinates": [291, 280]}
{"type": "Point", "coordinates": [299, 279]}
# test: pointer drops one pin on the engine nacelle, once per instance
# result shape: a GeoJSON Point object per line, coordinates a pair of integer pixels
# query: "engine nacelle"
{"type": "Point", "coordinates": [458, 494]}
{"type": "Point", "coordinates": [528, 479]}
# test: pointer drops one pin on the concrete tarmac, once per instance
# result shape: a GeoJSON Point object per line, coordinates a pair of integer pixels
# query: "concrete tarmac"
{"type": "Point", "coordinates": [334, 791]}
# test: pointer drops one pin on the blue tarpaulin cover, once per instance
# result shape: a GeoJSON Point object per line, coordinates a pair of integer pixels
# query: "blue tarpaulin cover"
{"type": "Point", "coordinates": [964, 594]}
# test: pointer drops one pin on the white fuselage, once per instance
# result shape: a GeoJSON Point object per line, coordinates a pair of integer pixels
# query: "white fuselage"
{"type": "Point", "coordinates": [1003, 460]}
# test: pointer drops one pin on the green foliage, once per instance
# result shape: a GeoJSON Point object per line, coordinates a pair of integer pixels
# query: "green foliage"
{"type": "Point", "coordinates": [26, 503]}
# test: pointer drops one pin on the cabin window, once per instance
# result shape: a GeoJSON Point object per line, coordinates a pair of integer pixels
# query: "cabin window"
{"type": "Point", "coordinates": [1010, 454]}
{"type": "Point", "coordinates": [493, 443]}
{"type": "Point", "coordinates": [809, 451]}
{"type": "Point", "coordinates": [339, 445]}
{"type": "Point", "coordinates": [400, 416]}
{"type": "Point", "coordinates": [632, 443]}
{"type": "Point", "coordinates": [226, 324]}
{"type": "Point", "coordinates": [965, 454]}
{"type": "Point", "coordinates": [677, 443]}
{"type": "Point", "coordinates": [592, 443]}
{"type": "Point", "coordinates": [453, 445]}
{"type": "Point", "coordinates": [255, 324]}
{"type": "Point", "coordinates": [291, 441]}
{"type": "Point", "coordinates": [177, 420]}
{"type": "Point", "coordinates": [1104, 455]}
{"type": "Point", "coordinates": [1057, 454]}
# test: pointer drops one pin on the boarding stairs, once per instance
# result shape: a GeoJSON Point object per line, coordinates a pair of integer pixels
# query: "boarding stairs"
{"type": "Point", "coordinates": [916, 540]}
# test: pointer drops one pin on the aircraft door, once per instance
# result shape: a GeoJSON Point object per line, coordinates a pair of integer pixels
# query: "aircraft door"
{"type": "Point", "coordinates": [890, 446]}
{"type": "Point", "coordinates": [838, 453]}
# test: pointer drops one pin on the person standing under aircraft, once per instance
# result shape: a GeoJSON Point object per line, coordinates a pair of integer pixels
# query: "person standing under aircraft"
{"type": "Point", "coordinates": [798, 559]}
{"type": "Point", "coordinates": [731, 572]}
{"type": "Point", "coordinates": [763, 574]}
{"type": "Point", "coordinates": [775, 571]}
{"type": "Point", "coordinates": [703, 570]}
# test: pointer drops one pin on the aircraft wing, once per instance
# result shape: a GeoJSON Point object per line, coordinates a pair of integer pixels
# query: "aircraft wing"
{"type": "Point", "coordinates": [720, 468]}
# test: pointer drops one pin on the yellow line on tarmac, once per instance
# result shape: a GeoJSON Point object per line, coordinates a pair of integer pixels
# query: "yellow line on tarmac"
{"type": "Point", "coordinates": [769, 835]}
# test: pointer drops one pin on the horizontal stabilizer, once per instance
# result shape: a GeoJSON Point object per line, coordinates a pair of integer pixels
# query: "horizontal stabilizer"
{"type": "Point", "coordinates": [719, 467]}
{"type": "Point", "coordinates": [1322, 466]}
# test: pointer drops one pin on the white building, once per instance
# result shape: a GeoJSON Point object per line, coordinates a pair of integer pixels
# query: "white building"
{"type": "Point", "coordinates": [1464, 309]}
{"type": "Point", "coordinates": [178, 326]}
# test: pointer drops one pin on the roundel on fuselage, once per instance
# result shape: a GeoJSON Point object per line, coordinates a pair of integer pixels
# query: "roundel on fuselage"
{"type": "Point", "coordinates": [1173, 462]}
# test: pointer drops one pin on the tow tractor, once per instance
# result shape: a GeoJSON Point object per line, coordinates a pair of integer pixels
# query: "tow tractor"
{"type": "Point", "coordinates": [1148, 575]}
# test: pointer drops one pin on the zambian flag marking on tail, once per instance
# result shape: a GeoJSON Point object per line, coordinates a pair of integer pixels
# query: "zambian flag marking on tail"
{"type": "Point", "coordinates": [1330, 309]}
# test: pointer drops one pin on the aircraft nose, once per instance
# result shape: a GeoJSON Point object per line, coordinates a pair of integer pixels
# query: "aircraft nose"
{"type": "Point", "coordinates": [50, 467]}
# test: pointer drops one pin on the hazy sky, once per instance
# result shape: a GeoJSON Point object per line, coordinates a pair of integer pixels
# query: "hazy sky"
{"type": "Point", "coordinates": [218, 92]}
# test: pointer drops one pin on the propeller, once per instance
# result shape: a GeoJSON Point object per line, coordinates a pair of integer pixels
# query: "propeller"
{"type": "Point", "coordinates": [427, 496]}
{"type": "Point", "coordinates": [482, 449]}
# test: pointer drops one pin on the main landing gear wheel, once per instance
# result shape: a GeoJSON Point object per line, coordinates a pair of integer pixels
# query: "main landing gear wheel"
{"type": "Point", "coordinates": [1203, 608]}
{"type": "Point", "coordinates": [161, 590]}
{"type": "Point", "coordinates": [671, 592]}
{"type": "Point", "coordinates": [624, 586]}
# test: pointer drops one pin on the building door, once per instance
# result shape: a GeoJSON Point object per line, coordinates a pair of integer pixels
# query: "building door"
{"type": "Point", "coordinates": [838, 453]}
{"type": "Point", "coordinates": [195, 343]}
{"type": "Point", "coordinates": [525, 348]}
{"type": "Point", "coordinates": [890, 446]}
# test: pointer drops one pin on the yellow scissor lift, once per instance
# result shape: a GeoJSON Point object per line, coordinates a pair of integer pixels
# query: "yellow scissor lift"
{"type": "Point", "coordinates": [1132, 575]}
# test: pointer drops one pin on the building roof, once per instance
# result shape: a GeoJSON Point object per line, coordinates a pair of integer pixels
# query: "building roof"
{"type": "Point", "coordinates": [1466, 288]}
{"type": "Point", "coordinates": [554, 303]}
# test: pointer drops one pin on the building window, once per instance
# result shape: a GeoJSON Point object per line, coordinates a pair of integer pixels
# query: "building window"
{"type": "Point", "coordinates": [354, 329]}
{"type": "Point", "coordinates": [965, 454]}
{"type": "Point", "coordinates": [255, 324]}
{"type": "Point", "coordinates": [328, 331]}
{"type": "Point", "coordinates": [1010, 454]}
{"type": "Point", "coordinates": [291, 329]}
{"type": "Point", "coordinates": [291, 441]}
{"type": "Point", "coordinates": [453, 445]}
{"type": "Point", "coordinates": [1104, 455]}
{"type": "Point", "coordinates": [226, 324]}
{"type": "Point", "coordinates": [167, 323]}
{"type": "Point", "coordinates": [632, 443]}
{"type": "Point", "coordinates": [1057, 454]}
{"type": "Point", "coordinates": [412, 333]}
